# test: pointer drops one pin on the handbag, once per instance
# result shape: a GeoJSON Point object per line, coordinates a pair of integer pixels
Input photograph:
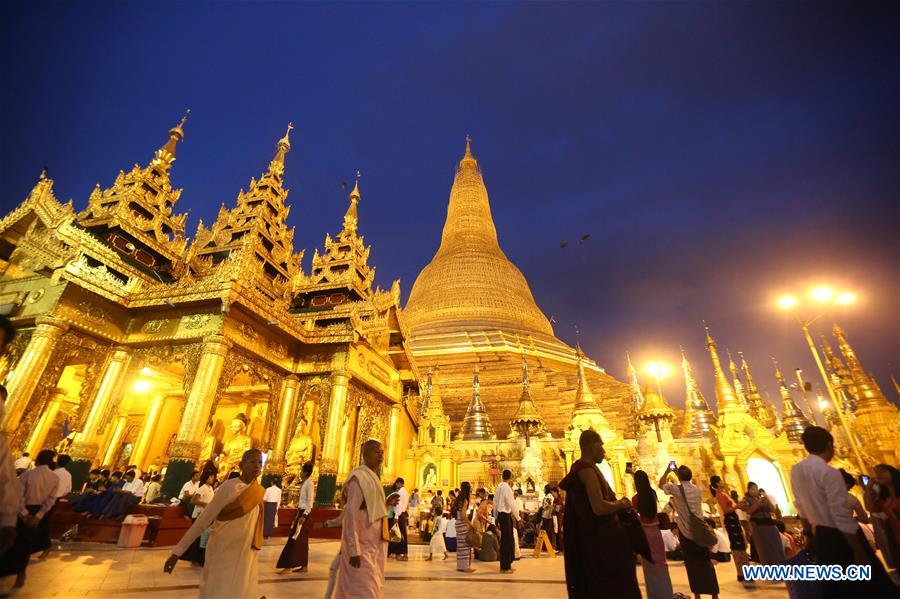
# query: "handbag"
{"type": "Point", "coordinates": [396, 535]}
{"type": "Point", "coordinates": [473, 537]}
{"type": "Point", "coordinates": [701, 532]}
{"type": "Point", "coordinates": [634, 531]}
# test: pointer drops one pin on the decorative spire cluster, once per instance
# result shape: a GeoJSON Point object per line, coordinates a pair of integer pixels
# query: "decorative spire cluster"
{"type": "Point", "coordinates": [759, 409]}
{"type": "Point", "coordinates": [637, 396]}
{"type": "Point", "coordinates": [793, 422]}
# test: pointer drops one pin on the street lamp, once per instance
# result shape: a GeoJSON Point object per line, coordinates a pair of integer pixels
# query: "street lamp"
{"type": "Point", "coordinates": [659, 371]}
{"type": "Point", "coordinates": [828, 299]}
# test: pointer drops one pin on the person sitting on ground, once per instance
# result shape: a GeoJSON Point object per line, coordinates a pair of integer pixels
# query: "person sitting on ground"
{"type": "Point", "coordinates": [91, 485]}
{"type": "Point", "coordinates": [154, 489]}
{"type": "Point", "coordinates": [490, 545]}
{"type": "Point", "coordinates": [106, 493]}
{"type": "Point", "coordinates": [125, 498]}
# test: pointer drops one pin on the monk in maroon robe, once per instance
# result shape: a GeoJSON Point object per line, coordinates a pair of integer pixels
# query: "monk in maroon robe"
{"type": "Point", "coordinates": [599, 561]}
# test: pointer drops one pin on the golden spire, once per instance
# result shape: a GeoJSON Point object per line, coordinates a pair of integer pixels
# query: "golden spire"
{"type": "Point", "coordinates": [165, 156]}
{"type": "Point", "coordinates": [866, 386]}
{"type": "Point", "coordinates": [477, 425]}
{"type": "Point", "coordinates": [654, 410]}
{"type": "Point", "coordinates": [584, 398]}
{"type": "Point", "coordinates": [276, 167]}
{"type": "Point", "coordinates": [738, 384]}
{"type": "Point", "coordinates": [470, 284]}
{"type": "Point", "coordinates": [433, 404]}
{"type": "Point", "coordinates": [758, 407]}
{"type": "Point", "coordinates": [725, 396]}
{"type": "Point", "coordinates": [351, 218]}
{"type": "Point", "coordinates": [698, 418]}
{"type": "Point", "coordinates": [793, 422]}
{"type": "Point", "coordinates": [527, 421]}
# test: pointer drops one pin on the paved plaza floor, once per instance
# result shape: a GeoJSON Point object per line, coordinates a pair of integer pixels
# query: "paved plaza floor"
{"type": "Point", "coordinates": [96, 570]}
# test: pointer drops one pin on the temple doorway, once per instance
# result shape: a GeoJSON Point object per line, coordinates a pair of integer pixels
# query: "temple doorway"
{"type": "Point", "coordinates": [765, 474]}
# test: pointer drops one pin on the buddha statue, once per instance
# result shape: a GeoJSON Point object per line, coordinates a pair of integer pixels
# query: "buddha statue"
{"type": "Point", "coordinates": [236, 445]}
{"type": "Point", "coordinates": [300, 449]}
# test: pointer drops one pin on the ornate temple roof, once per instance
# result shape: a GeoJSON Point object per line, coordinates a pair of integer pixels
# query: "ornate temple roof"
{"type": "Point", "coordinates": [470, 284]}
{"type": "Point", "coordinates": [655, 407]}
{"type": "Point", "coordinates": [477, 424]}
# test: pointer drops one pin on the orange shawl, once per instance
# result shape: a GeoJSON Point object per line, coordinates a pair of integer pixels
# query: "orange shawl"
{"type": "Point", "coordinates": [251, 497]}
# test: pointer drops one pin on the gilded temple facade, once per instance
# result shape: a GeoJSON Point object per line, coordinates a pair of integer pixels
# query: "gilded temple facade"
{"type": "Point", "coordinates": [138, 345]}
{"type": "Point", "coordinates": [166, 354]}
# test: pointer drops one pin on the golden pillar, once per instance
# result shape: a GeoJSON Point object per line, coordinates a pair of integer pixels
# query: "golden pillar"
{"type": "Point", "coordinates": [114, 441]}
{"type": "Point", "coordinates": [393, 439]}
{"type": "Point", "coordinates": [86, 444]}
{"type": "Point", "coordinates": [27, 372]}
{"type": "Point", "coordinates": [39, 435]}
{"type": "Point", "coordinates": [148, 429]}
{"type": "Point", "coordinates": [287, 404]}
{"type": "Point", "coordinates": [200, 398]}
{"type": "Point", "coordinates": [197, 406]}
{"type": "Point", "coordinates": [331, 444]}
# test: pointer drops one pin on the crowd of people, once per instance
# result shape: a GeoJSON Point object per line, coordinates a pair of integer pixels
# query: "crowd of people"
{"type": "Point", "coordinates": [232, 517]}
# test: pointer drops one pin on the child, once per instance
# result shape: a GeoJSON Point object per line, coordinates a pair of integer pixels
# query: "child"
{"type": "Point", "coordinates": [437, 544]}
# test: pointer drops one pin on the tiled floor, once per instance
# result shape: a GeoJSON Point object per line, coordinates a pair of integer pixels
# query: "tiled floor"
{"type": "Point", "coordinates": [94, 570]}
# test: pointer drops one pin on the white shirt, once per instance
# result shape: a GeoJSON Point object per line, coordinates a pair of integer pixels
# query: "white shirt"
{"type": "Point", "coordinates": [670, 541]}
{"type": "Point", "coordinates": [227, 492]}
{"type": "Point", "coordinates": [723, 545]}
{"type": "Point", "coordinates": [821, 496]}
{"type": "Point", "coordinates": [272, 494]}
{"type": "Point", "coordinates": [504, 501]}
{"type": "Point", "coordinates": [135, 487]}
{"type": "Point", "coordinates": [152, 492]}
{"type": "Point", "coordinates": [65, 482]}
{"type": "Point", "coordinates": [692, 492]}
{"type": "Point", "coordinates": [520, 506]}
{"type": "Point", "coordinates": [189, 487]}
{"type": "Point", "coordinates": [38, 488]}
{"type": "Point", "coordinates": [204, 494]}
{"type": "Point", "coordinates": [22, 463]}
{"type": "Point", "coordinates": [403, 504]}
{"type": "Point", "coordinates": [307, 495]}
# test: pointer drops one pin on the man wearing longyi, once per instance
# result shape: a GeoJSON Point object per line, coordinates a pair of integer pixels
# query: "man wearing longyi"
{"type": "Point", "coordinates": [236, 517]}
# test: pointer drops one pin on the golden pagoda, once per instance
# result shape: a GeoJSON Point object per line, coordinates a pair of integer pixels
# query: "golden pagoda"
{"type": "Point", "coordinates": [477, 424]}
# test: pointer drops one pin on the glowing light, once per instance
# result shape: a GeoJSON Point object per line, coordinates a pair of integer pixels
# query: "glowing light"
{"type": "Point", "coordinates": [787, 301]}
{"type": "Point", "coordinates": [823, 404]}
{"type": "Point", "coordinates": [846, 298]}
{"type": "Point", "coordinates": [145, 371]}
{"type": "Point", "coordinates": [822, 294]}
{"type": "Point", "coordinates": [141, 386]}
{"type": "Point", "coordinates": [658, 370]}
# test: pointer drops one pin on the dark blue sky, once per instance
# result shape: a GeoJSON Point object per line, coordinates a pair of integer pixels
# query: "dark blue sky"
{"type": "Point", "coordinates": [717, 153]}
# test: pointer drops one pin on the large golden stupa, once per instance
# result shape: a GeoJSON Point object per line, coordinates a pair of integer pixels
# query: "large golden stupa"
{"type": "Point", "coordinates": [471, 306]}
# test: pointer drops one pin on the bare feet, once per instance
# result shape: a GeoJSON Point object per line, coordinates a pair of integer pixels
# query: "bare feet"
{"type": "Point", "coordinates": [20, 581]}
{"type": "Point", "coordinates": [300, 569]}
{"type": "Point", "coordinates": [402, 558]}
{"type": "Point", "coordinates": [445, 556]}
{"type": "Point", "coordinates": [284, 571]}
{"type": "Point", "coordinates": [428, 559]}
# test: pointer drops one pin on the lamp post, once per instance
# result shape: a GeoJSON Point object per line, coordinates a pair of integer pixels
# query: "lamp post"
{"type": "Point", "coordinates": [826, 296]}
{"type": "Point", "coordinates": [659, 371]}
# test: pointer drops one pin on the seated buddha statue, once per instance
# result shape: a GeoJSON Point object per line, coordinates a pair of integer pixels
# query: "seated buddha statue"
{"type": "Point", "coordinates": [300, 449]}
{"type": "Point", "coordinates": [236, 445]}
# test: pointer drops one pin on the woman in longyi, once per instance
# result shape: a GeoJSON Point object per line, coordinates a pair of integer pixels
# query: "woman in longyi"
{"type": "Point", "coordinates": [236, 517]}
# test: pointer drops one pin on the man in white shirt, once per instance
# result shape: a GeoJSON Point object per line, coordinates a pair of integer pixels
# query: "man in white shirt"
{"type": "Point", "coordinates": [271, 501]}
{"type": "Point", "coordinates": [188, 490]}
{"type": "Point", "coordinates": [401, 517]}
{"type": "Point", "coordinates": [23, 463]}
{"type": "Point", "coordinates": [686, 498]}
{"type": "Point", "coordinates": [507, 513]}
{"type": "Point", "coordinates": [65, 478]}
{"type": "Point", "coordinates": [821, 500]}
{"type": "Point", "coordinates": [295, 555]}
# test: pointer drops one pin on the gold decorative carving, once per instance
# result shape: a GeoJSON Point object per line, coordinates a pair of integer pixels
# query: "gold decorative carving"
{"type": "Point", "coordinates": [153, 326]}
{"type": "Point", "coordinates": [196, 321]}
{"type": "Point", "coordinates": [91, 312]}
